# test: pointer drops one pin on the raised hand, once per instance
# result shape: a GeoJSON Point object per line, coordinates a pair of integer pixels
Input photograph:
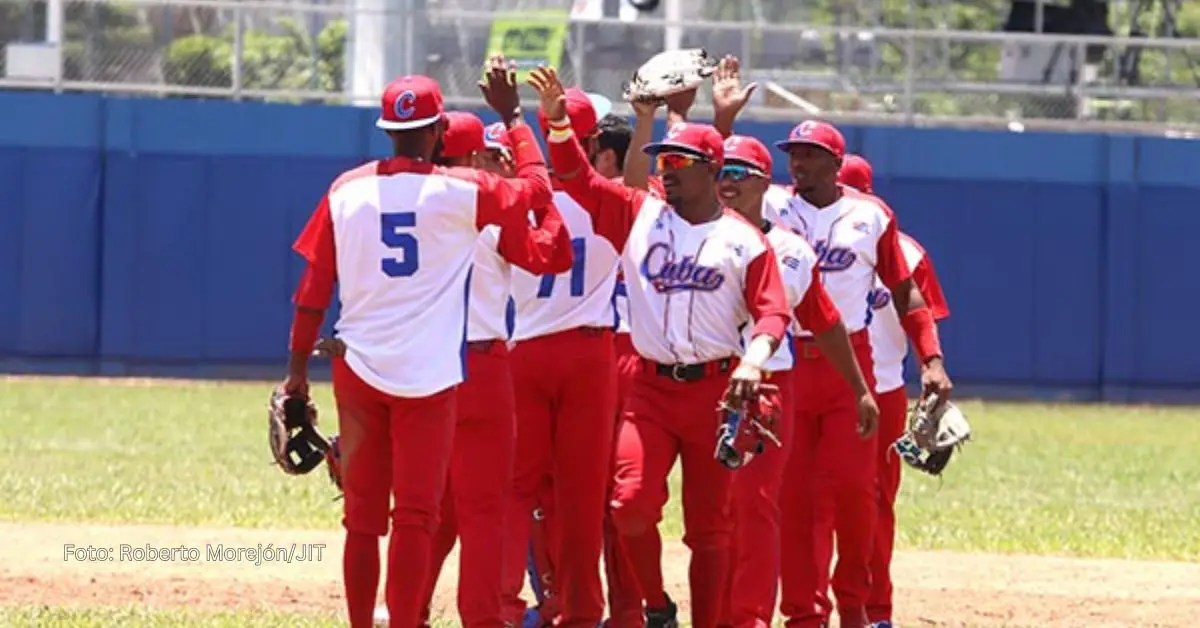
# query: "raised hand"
{"type": "Point", "coordinates": [499, 87]}
{"type": "Point", "coordinates": [729, 96]}
{"type": "Point", "coordinates": [550, 92]}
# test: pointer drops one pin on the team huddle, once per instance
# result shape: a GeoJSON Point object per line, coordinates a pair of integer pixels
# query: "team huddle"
{"type": "Point", "coordinates": [526, 349]}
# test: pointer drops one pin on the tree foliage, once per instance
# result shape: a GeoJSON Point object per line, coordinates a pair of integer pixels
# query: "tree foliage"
{"type": "Point", "coordinates": [285, 57]}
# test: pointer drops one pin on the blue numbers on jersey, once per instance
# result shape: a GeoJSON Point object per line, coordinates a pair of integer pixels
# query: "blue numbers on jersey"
{"type": "Point", "coordinates": [546, 288]}
{"type": "Point", "coordinates": [408, 262]}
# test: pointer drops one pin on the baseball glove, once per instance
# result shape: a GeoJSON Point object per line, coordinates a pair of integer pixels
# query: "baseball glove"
{"type": "Point", "coordinates": [934, 433]}
{"type": "Point", "coordinates": [745, 430]}
{"type": "Point", "coordinates": [295, 442]}
{"type": "Point", "coordinates": [668, 73]}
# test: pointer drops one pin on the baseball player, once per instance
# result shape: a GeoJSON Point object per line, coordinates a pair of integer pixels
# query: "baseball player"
{"type": "Point", "coordinates": [831, 473]}
{"type": "Point", "coordinates": [695, 274]}
{"type": "Point", "coordinates": [564, 372]}
{"type": "Point", "coordinates": [750, 589]}
{"type": "Point", "coordinates": [888, 349]}
{"type": "Point", "coordinates": [611, 144]}
{"type": "Point", "coordinates": [397, 236]}
{"type": "Point", "coordinates": [729, 97]}
{"type": "Point", "coordinates": [481, 467]}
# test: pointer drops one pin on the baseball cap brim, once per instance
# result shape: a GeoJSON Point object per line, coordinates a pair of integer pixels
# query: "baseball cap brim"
{"type": "Point", "coordinates": [602, 105]}
{"type": "Point", "coordinates": [784, 145]}
{"type": "Point", "coordinates": [739, 161]}
{"type": "Point", "coordinates": [406, 125]}
{"type": "Point", "coordinates": [672, 147]}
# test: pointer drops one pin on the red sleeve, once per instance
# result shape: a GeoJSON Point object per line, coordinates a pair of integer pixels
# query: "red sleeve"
{"type": "Point", "coordinates": [500, 198]}
{"type": "Point", "coordinates": [816, 311]}
{"type": "Point", "coordinates": [313, 295]}
{"type": "Point", "coordinates": [542, 250]}
{"type": "Point", "coordinates": [927, 282]}
{"type": "Point", "coordinates": [612, 205]}
{"type": "Point", "coordinates": [890, 264]}
{"type": "Point", "coordinates": [765, 297]}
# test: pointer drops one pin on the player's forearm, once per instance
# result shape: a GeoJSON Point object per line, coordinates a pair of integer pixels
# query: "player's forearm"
{"type": "Point", "coordinates": [834, 344]}
{"type": "Point", "coordinates": [570, 164]}
{"type": "Point", "coordinates": [760, 349]}
{"type": "Point", "coordinates": [637, 163]}
{"type": "Point", "coordinates": [917, 320]}
{"type": "Point", "coordinates": [312, 298]}
{"type": "Point", "coordinates": [530, 167]}
{"type": "Point", "coordinates": [723, 122]}
{"type": "Point", "coordinates": [306, 326]}
{"type": "Point", "coordinates": [544, 250]}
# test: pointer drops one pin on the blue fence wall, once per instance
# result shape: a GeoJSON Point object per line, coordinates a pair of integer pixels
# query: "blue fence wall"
{"type": "Point", "coordinates": [152, 236]}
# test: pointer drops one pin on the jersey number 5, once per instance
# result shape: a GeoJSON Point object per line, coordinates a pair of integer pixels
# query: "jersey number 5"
{"type": "Point", "coordinates": [546, 288]}
{"type": "Point", "coordinates": [390, 225]}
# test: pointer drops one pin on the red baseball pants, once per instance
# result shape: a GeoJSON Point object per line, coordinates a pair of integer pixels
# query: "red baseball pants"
{"type": "Point", "coordinates": [392, 449]}
{"type": "Point", "coordinates": [625, 601]}
{"type": "Point", "coordinates": [665, 419]}
{"type": "Point", "coordinates": [566, 393]}
{"type": "Point", "coordinates": [893, 411]}
{"type": "Point", "coordinates": [829, 488]}
{"type": "Point", "coordinates": [477, 490]}
{"type": "Point", "coordinates": [752, 583]}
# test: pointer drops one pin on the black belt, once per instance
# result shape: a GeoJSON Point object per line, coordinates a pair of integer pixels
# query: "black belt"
{"type": "Point", "coordinates": [692, 372]}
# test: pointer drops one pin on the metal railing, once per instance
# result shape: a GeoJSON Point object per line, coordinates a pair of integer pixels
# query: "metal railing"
{"type": "Point", "coordinates": [290, 52]}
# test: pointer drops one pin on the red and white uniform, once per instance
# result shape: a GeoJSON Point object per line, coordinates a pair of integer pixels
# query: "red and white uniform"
{"type": "Point", "coordinates": [397, 237]}
{"type": "Point", "coordinates": [889, 346]}
{"type": "Point", "coordinates": [751, 586]}
{"type": "Point", "coordinates": [691, 287]}
{"type": "Point", "coordinates": [564, 373]}
{"type": "Point", "coordinates": [481, 468]}
{"type": "Point", "coordinates": [856, 240]}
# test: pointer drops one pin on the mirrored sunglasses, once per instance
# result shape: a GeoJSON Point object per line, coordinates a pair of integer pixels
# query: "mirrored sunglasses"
{"type": "Point", "coordinates": [738, 173]}
{"type": "Point", "coordinates": [676, 161]}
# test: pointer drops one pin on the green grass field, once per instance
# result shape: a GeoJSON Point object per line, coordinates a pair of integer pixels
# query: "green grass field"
{"type": "Point", "coordinates": [1078, 480]}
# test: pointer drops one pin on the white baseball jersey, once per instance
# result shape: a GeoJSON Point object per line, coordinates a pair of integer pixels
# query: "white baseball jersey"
{"type": "Point", "coordinates": [889, 342]}
{"type": "Point", "coordinates": [403, 236]}
{"type": "Point", "coordinates": [687, 284]}
{"type": "Point", "coordinates": [489, 289]}
{"type": "Point", "coordinates": [796, 261]}
{"type": "Point", "coordinates": [855, 240]}
{"type": "Point", "coordinates": [583, 297]}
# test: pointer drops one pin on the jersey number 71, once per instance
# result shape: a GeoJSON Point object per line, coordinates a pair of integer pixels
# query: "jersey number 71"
{"type": "Point", "coordinates": [390, 225]}
{"type": "Point", "coordinates": [546, 288]}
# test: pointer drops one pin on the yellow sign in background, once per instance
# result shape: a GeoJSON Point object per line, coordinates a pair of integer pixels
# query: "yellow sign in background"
{"type": "Point", "coordinates": [530, 39]}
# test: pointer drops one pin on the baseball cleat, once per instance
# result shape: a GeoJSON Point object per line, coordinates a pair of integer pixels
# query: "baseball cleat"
{"type": "Point", "coordinates": [663, 617]}
{"type": "Point", "coordinates": [882, 624]}
{"type": "Point", "coordinates": [381, 617]}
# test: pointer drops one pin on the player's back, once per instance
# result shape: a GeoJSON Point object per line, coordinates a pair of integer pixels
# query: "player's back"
{"type": "Point", "coordinates": [583, 297]}
{"type": "Point", "coordinates": [404, 243]}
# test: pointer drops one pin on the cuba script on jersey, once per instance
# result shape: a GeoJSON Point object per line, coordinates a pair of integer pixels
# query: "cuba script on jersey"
{"type": "Point", "coordinates": [667, 275]}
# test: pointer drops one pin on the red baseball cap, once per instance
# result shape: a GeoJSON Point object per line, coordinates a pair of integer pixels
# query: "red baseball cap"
{"type": "Point", "coordinates": [690, 139]}
{"type": "Point", "coordinates": [495, 137]}
{"type": "Point", "coordinates": [410, 102]}
{"type": "Point", "coordinates": [464, 134]}
{"type": "Point", "coordinates": [857, 173]}
{"type": "Point", "coordinates": [748, 150]}
{"type": "Point", "coordinates": [815, 133]}
{"type": "Point", "coordinates": [584, 111]}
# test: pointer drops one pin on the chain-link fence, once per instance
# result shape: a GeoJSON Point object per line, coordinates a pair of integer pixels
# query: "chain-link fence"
{"type": "Point", "coordinates": [306, 52]}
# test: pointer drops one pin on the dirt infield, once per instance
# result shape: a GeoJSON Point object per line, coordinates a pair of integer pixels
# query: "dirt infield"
{"type": "Point", "coordinates": [934, 588]}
